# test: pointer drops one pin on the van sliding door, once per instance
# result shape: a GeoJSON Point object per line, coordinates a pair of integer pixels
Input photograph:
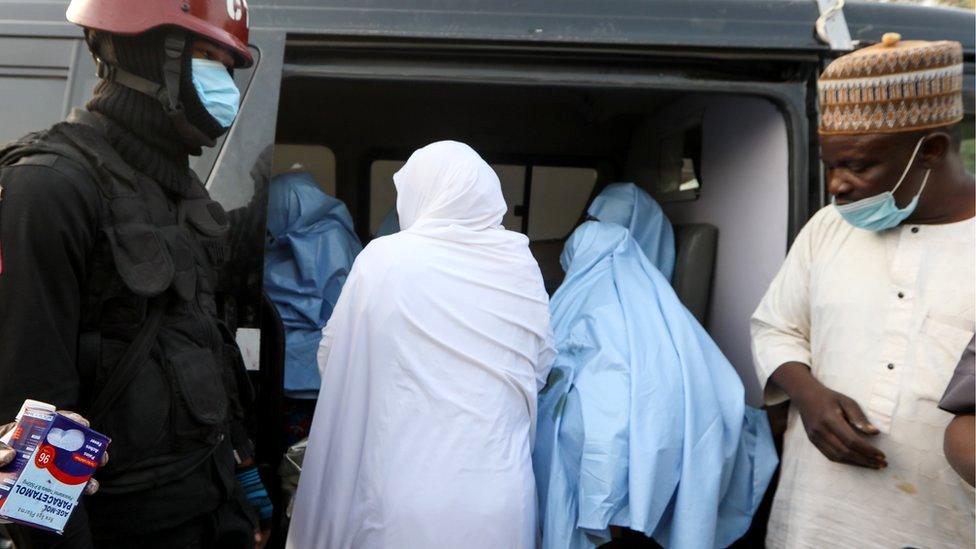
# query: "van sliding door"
{"type": "Point", "coordinates": [729, 161]}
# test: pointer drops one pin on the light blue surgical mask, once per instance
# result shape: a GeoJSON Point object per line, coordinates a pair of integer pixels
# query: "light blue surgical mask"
{"type": "Point", "coordinates": [216, 89]}
{"type": "Point", "coordinates": [881, 212]}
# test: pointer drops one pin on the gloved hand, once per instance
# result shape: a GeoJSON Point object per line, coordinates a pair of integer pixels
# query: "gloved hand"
{"type": "Point", "coordinates": [257, 495]}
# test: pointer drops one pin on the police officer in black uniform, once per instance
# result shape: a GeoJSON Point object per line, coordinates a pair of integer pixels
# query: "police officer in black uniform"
{"type": "Point", "coordinates": [109, 246]}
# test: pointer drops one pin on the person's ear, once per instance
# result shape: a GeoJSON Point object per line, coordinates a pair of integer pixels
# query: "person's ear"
{"type": "Point", "coordinates": [935, 149]}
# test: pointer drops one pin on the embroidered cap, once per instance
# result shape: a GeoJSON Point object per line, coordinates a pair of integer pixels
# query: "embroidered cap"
{"type": "Point", "coordinates": [894, 86]}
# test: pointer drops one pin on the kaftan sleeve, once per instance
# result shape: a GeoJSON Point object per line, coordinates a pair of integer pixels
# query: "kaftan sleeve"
{"type": "Point", "coordinates": [780, 326]}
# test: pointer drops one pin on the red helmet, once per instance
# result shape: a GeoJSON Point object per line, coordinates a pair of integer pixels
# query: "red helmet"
{"type": "Point", "coordinates": [224, 22]}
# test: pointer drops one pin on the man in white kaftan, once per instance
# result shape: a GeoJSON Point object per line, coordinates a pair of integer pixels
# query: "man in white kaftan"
{"type": "Point", "coordinates": [431, 363]}
{"type": "Point", "coordinates": [872, 310]}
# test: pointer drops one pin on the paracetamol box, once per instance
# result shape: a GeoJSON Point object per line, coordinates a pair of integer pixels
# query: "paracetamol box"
{"type": "Point", "coordinates": [56, 457]}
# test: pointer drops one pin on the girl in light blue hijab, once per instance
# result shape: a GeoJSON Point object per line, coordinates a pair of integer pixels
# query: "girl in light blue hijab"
{"type": "Point", "coordinates": [630, 206]}
{"type": "Point", "coordinates": [310, 249]}
{"type": "Point", "coordinates": [642, 423]}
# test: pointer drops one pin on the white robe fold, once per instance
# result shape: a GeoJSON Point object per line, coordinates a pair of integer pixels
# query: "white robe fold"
{"type": "Point", "coordinates": [430, 364]}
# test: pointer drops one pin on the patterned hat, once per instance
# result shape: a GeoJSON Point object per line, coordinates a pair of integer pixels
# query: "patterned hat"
{"type": "Point", "coordinates": [892, 87]}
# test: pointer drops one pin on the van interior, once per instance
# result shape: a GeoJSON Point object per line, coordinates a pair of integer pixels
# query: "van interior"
{"type": "Point", "coordinates": [718, 164]}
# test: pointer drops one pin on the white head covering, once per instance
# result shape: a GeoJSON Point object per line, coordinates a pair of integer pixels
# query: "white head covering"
{"type": "Point", "coordinates": [447, 183]}
{"type": "Point", "coordinates": [431, 364]}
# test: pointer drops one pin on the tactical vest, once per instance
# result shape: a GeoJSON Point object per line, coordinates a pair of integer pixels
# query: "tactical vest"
{"type": "Point", "coordinates": [160, 375]}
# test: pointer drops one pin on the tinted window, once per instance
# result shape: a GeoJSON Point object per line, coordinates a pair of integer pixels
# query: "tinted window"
{"type": "Point", "coordinates": [557, 196]}
{"type": "Point", "coordinates": [317, 160]}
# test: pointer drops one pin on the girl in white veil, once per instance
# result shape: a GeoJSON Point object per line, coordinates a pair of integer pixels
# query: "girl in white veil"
{"type": "Point", "coordinates": [430, 364]}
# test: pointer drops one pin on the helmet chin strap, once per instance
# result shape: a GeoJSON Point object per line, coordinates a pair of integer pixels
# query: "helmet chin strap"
{"type": "Point", "coordinates": [167, 93]}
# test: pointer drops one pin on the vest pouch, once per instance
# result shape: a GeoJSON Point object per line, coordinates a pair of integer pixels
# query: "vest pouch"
{"type": "Point", "coordinates": [184, 267]}
{"type": "Point", "coordinates": [201, 406]}
{"type": "Point", "coordinates": [141, 257]}
{"type": "Point", "coordinates": [137, 421]}
{"type": "Point", "coordinates": [209, 220]}
{"type": "Point", "coordinates": [207, 216]}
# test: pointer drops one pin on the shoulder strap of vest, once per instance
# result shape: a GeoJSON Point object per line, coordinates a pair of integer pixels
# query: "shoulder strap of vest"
{"type": "Point", "coordinates": [87, 132]}
{"type": "Point", "coordinates": [132, 361]}
{"type": "Point", "coordinates": [44, 144]}
{"type": "Point", "coordinates": [12, 151]}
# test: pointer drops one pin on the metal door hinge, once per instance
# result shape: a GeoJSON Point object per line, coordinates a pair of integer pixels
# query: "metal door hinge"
{"type": "Point", "coordinates": [831, 26]}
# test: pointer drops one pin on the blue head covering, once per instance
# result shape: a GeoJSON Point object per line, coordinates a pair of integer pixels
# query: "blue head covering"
{"type": "Point", "coordinates": [642, 423]}
{"type": "Point", "coordinates": [309, 252]}
{"type": "Point", "coordinates": [628, 205]}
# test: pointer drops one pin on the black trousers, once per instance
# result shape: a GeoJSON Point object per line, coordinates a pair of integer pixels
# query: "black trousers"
{"type": "Point", "coordinates": [228, 527]}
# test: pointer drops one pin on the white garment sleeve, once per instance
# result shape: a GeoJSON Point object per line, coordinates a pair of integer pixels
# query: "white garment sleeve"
{"type": "Point", "coordinates": [338, 312]}
{"type": "Point", "coordinates": [780, 326]}
{"type": "Point", "coordinates": [325, 347]}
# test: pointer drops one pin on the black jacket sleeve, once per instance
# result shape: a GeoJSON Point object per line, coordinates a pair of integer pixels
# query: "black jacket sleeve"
{"type": "Point", "coordinates": [48, 223]}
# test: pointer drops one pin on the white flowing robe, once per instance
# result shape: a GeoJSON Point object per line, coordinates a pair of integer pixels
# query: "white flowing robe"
{"type": "Point", "coordinates": [431, 363]}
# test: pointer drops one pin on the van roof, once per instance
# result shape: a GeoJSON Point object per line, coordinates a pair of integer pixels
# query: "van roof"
{"type": "Point", "coordinates": [785, 25]}
{"type": "Point", "coordinates": [708, 24]}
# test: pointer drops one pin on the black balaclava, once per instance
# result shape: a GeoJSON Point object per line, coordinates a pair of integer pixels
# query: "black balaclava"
{"type": "Point", "coordinates": [142, 133]}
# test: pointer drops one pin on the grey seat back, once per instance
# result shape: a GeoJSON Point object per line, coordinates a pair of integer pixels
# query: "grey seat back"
{"type": "Point", "coordinates": [547, 254]}
{"type": "Point", "coordinates": [694, 265]}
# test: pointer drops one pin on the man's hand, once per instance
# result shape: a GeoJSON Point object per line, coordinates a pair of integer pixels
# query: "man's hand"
{"type": "Point", "coordinates": [7, 454]}
{"type": "Point", "coordinates": [834, 423]}
{"type": "Point", "coordinates": [261, 538]}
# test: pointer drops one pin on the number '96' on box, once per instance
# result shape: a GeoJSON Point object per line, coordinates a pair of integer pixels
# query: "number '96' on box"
{"type": "Point", "coordinates": [56, 457]}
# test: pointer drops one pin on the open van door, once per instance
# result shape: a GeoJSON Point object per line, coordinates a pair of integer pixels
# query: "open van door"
{"type": "Point", "coordinates": [725, 162]}
{"type": "Point", "coordinates": [236, 173]}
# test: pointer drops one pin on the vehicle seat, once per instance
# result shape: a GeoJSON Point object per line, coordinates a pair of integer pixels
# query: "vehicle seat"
{"type": "Point", "coordinates": [546, 253]}
{"type": "Point", "coordinates": [695, 247]}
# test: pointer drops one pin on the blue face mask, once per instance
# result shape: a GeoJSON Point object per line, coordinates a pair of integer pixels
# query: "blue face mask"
{"type": "Point", "coordinates": [880, 212]}
{"type": "Point", "coordinates": [216, 90]}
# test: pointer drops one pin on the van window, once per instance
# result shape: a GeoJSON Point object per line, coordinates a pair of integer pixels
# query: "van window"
{"type": "Point", "coordinates": [678, 165]}
{"type": "Point", "coordinates": [558, 196]}
{"type": "Point", "coordinates": [383, 193]}
{"type": "Point", "coordinates": [317, 160]}
{"type": "Point", "coordinates": [512, 178]}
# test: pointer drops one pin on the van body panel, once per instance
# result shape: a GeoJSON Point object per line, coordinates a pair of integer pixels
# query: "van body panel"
{"type": "Point", "coordinates": [713, 24]}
